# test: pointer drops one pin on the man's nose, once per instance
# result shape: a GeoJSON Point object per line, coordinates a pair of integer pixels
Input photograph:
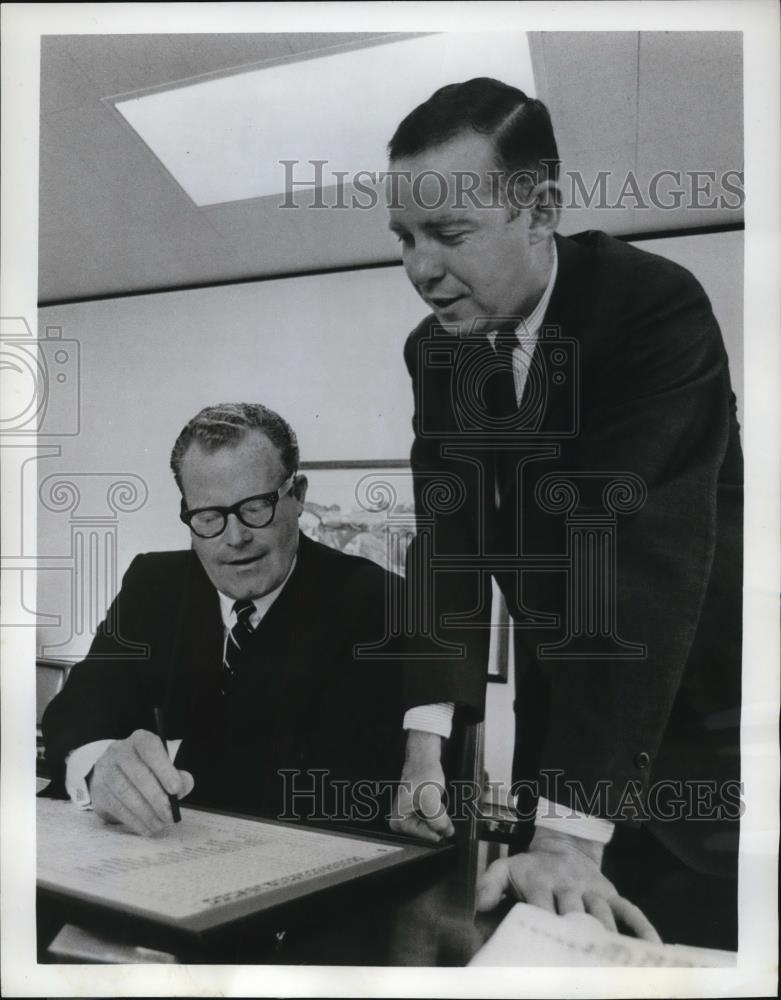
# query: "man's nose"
{"type": "Point", "coordinates": [424, 265]}
{"type": "Point", "coordinates": [236, 533]}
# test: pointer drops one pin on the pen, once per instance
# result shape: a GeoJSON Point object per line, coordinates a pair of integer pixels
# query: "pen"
{"type": "Point", "coordinates": [161, 733]}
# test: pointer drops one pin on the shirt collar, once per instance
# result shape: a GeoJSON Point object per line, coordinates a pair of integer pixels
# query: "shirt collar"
{"type": "Point", "coordinates": [262, 604]}
{"type": "Point", "coordinates": [531, 325]}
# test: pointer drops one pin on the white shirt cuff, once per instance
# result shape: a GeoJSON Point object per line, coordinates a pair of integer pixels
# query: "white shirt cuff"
{"type": "Point", "coordinates": [78, 765]}
{"type": "Point", "coordinates": [81, 761]}
{"type": "Point", "coordinates": [563, 819]}
{"type": "Point", "coordinates": [436, 719]}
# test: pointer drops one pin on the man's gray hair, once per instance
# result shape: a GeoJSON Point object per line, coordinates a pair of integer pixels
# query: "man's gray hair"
{"type": "Point", "coordinates": [225, 425]}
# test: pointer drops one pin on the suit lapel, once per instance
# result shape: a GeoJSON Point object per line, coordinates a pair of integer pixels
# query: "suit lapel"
{"type": "Point", "coordinates": [571, 289]}
{"type": "Point", "coordinates": [197, 652]}
{"type": "Point", "coordinates": [558, 353]}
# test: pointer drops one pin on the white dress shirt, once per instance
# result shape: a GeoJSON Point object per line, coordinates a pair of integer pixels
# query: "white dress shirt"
{"type": "Point", "coordinates": [81, 761]}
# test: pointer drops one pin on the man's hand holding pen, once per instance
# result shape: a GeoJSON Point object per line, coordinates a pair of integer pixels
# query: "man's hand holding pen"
{"type": "Point", "coordinates": [132, 781]}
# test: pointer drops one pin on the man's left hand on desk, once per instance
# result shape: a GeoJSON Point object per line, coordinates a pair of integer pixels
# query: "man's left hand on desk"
{"type": "Point", "coordinates": [419, 809]}
{"type": "Point", "coordinates": [562, 874]}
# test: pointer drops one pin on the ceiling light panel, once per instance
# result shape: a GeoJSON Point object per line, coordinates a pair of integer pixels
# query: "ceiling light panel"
{"type": "Point", "coordinates": [225, 139]}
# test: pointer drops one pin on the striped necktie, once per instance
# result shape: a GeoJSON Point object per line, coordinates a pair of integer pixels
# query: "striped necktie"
{"type": "Point", "coordinates": [237, 643]}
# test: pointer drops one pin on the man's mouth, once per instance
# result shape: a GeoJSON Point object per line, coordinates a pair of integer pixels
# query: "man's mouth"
{"type": "Point", "coordinates": [444, 302]}
{"type": "Point", "coordinates": [246, 561]}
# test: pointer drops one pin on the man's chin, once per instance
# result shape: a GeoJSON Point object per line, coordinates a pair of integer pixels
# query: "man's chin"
{"type": "Point", "coordinates": [464, 326]}
{"type": "Point", "coordinates": [251, 593]}
{"type": "Point", "coordinates": [249, 589]}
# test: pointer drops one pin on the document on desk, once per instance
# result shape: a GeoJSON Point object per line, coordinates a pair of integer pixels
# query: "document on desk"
{"type": "Point", "coordinates": [204, 871]}
{"type": "Point", "coordinates": [531, 936]}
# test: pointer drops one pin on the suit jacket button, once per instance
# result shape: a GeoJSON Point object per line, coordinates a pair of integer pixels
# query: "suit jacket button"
{"type": "Point", "coordinates": [642, 759]}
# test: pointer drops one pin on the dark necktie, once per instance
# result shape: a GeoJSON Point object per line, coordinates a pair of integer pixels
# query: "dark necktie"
{"type": "Point", "coordinates": [501, 401]}
{"type": "Point", "coordinates": [501, 404]}
{"type": "Point", "coordinates": [497, 382]}
{"type": "Point", "coordinates": [237, 643]}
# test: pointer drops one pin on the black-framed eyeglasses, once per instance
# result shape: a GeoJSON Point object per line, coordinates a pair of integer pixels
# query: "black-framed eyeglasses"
{"type": "Point", "coordinates": [254, 512]}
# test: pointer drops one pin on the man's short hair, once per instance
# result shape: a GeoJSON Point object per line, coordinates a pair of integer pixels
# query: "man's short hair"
{"type": "Point", "coordinates": [519, 126]}
{"type": "Point", "coordinates": [225, 425]}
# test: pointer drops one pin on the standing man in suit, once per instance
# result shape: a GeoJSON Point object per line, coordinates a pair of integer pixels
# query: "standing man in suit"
{"type": "Point", "coordinates": [573, 395]}
{"type": "Point", "coordinates": [246, 641]}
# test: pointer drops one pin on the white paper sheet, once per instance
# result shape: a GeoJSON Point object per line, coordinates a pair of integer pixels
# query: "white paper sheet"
{"type": "Point", "coordinates": [530, 936]}
{"type": "Point", "coordinates": [205, 862]}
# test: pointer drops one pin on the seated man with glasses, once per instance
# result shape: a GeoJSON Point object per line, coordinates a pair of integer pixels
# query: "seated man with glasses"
{"type": "Point", "coordinates": [246, 645]}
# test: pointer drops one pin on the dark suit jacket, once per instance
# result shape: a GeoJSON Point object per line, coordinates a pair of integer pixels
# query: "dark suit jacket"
{"type": "Point", "coordinates": [308, 702]}
{"type": "Point", "coordinates": [639, 392]}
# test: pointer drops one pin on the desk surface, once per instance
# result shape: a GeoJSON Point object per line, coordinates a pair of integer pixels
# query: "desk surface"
{"type": "Point", "coordinates": [426, 919]}
{"type": "Point", "coordinates": [430, 922]}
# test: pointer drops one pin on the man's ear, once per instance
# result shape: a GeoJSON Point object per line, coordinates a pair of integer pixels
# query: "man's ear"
{"type": "Point", "coordinates": [545, 211]}
{"type": "Point", "coordinates": [299, 491]}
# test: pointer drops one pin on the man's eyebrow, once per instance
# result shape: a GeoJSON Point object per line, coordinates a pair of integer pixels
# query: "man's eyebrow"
{"type": "Point", "coordinates": [436, 223]}
{"type": "Point", "coordinates": [448, 220]}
